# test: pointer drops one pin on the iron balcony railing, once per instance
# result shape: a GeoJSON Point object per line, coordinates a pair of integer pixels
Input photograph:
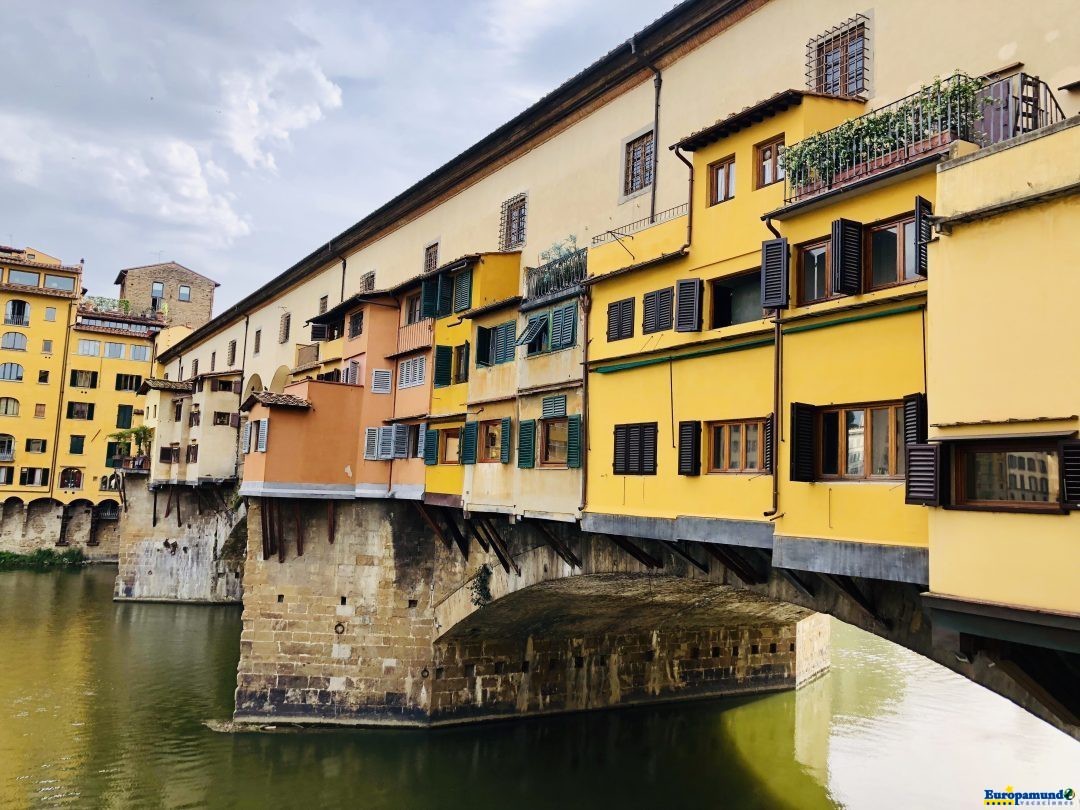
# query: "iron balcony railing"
{"type": "Point", "coordinates": [132, 463]}
{"type": "Point", "coordinates": [107, 511]}
{"type": "Point", "coordinates": [557, 275]}
{"type": "Point", "coordinates": [921, 124]}
{"type": "Point", "coordinates": [7, 455]}
{"type": "Point", "coordinates": [640, 224]}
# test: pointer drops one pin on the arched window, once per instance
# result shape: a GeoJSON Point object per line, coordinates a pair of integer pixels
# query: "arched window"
{"type": "Point", "coordinates": [17, 313]}
{"type": "Point", "coordinates": [11, 371]}
{"type": "Point", "coordinates": [9, 406]}
{"type": "Point", "coordinates": [70, 478]}
{"type": "Point", "coordinates": [13, 340]}
{"type": "Point", "coordinates": [7, 447]}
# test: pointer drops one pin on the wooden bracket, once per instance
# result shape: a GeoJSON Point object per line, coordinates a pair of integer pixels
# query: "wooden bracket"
{"type": "Point", "coordinates": [846, 587]}
{"type": "Point", "coordinates": [639, 554]}
{"type": "Point", "coordinates": [297, 519]}
{"type": "Point", "coordinates": [497, 544]}
{"type": "Point", "coordinates": [331, 521]}
{"type": "Point", "coordinates": [736, 563]}
{"type": "Point", "coordinates": [421, 507]}
{"type": "Point", "coordinates": [472, 529]}
{"type": "Point", "coordinates": [681, 552]}
{"type": "Point", "coordinates": [455, 533]}
{"type": "Point", "coordinates": [564, 551]}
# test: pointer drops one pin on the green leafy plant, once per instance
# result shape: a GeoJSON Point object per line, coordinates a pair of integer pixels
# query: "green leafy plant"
{"type": "Point", "coordinates": [42, 559]}
{"type": "Point", "coordinates": [481, 586]}
{"type": "Point", "coordinates": [141, 435]}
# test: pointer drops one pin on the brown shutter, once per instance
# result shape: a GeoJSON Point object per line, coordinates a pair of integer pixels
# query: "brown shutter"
{"type": "Point", "coordinates": [648, 449]}
{"type": "Point", "coordinates": [768, 454]}
{"type": "Point", "coordinates": [690, 448]}
{"type": "Point", "coordinates": [915, 427]}
{"type": "Point", "coordinates": [774, 274]}
{"type": "Point", "coordinates": [847, 263]}
{"type": "Point", "coordinates": [926, 483]}
{"type": "Point", "coordinates": [318, 331]}
{"type": "Point", "coordinates": [804, 442]}
{"type": "Point", "coordinates": [1070, 472]}
{"type": "Point", "coordinates": [924, 233]}
{"type": "Point", "coordinates": [613, 311]}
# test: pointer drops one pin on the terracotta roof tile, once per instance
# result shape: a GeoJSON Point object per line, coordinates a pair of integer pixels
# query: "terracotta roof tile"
{"type": "Point", "coordinates": [272, 400]}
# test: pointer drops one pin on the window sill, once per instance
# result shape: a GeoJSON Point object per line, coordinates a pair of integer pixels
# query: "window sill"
{"type": "Point", "coordinates": [1052, 509]}
{"type": "Point", "coordinates": [625, 198]}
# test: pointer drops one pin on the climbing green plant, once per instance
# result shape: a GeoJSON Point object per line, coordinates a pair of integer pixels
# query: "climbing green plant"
{"type": "Point", "coordinates": [141, 435]}
{"type": "Point", "coordinates": [481, 586]}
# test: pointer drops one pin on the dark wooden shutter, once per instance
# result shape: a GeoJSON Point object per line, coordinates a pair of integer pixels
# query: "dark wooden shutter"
{"type": "Point", "coordinates": [431, 447]}
{"type": "Point", "coordinates": [318, 331]}
{"type": "Point", "coordinates": [444, 365]}
{"type": "Point", "coordinates": [804, 441]}
{"type": "Point", "coordinates": [568, 334]}
{"type": "Point", "coordinates": [463, 372]}
{"type": "Point", "coordinates": [445, 304]}
{"type": "Point", "coordinates": [552, 407]}
{"type": "Point", "coordinates": [234, 420]}
{"type": "Point", "coordinates": [925, 471]}
{"type": "Point", "coordinates": [573, 441]}
{"type": "Point", "coordinates": [507, 342]}
{"type": "Point", "coordinates": [483, 346]}
{"type": "Point", "coordinates": [463, 291]}
{"type": "Point", "coordinates": [633, 449]}
{"type": "Point", "coordinates": [648, 449]}
{"type": "Point", "coordinates": [688, 305]}
{"type": "Point", "coordinates": [429, 297]}
{"type": "Point", "coordinates": [649, 312]}
{"type": "Point", "coordinates": [626, 318]}
{"type": "Point", "coordinates": [665, 308]}
{"type": "Point", "coordinates": [527, 444]}
{"type": "Point", "coordinates": [924, 233]}
{"type": "Point", "coordinates": [468, 442]}
{"type": "Point", "coordinates": [690, 448]}
{"type": "Point", "coordinates": [768, 454]}
{"type": "Point", "coordinates": [847, 253]}
{"type": "Point", "coordinates": [1070, 472]}
{"type": "Point", "coordinates": [775, 258]}
{"type": "Point", "coordinates": [505, 426]}
{"type": "Point", "coordinates": [613, 310]}
{"type": "Point", "coordinates": [915, 427]}
{"type": "Point", "coordinates": [618, 464]}
{"type": "Point", "coordinates": [90, 411]}
{"type": "Point", "coordinates": [74, 377]}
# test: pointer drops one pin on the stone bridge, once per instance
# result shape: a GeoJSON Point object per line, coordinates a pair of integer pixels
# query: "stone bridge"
{"type": "Point", "coordinates": [395, 613]}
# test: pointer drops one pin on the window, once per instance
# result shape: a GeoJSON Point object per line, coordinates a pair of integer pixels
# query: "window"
{"type": "Point", "coordinates": [169, 455]}
{"type": "Point", "coordinates": [382, 380]}
{"type": "Point", "coordinates": [50, 314]}
{"type": "Point", "coordinates": [17, 313]}
{"type": "Point", "coordinates": [495, 345]}
{"type": "Point", "coordinates": [192, 453]}
{"type": "Point", "coordinates": [356, 324]}
{"type": "Point", "coordinates": [39, 409]}
{"type": "Point", "coordinates": [11, 372]}
{"type": "Point", "coordinates": [157, 293]}
{"type": "Point", "coordinates": [89, 348]}
{"type": "Point", "coordinates": [123, 416]}
{"type": "Point", "coordinates": [836, 61]}
{"type": "Point", "coordinates": [46, 347]}
{"type": "Point", "coordinates": [490, 441]}
{"type": "Point", "coordinates": [36, 445]}
{"type": "Point", "coordinates": [258, 341]}
{"type": "Point", "coordinates": [23, 278]}
{"type": "Point", "coordinates": [83, 379]}
{"type": "Point", "coordinates": [554, 441]}
{"type": "Point", "coordinates": [115, 451]}
{"type": "Point", "coordinates": [864, 441]}
{"type": "Point", "coordinates": [736, 299]}
{"type": "Point", "coordinates": [737, 446]}
{"type": "Point", "coordinates": [638, 163]}
{"type": "Point", "coordinates": [659, 308]}
{"type": "Point", "coordinates": [9, 406]}
{"type": "Point", "coordinates": [34, 477]}
{"type": "Point", "coordinates": [43, 376]}
{"type": "Point", "coordinates": [195, 369]}
{"type": "Point", "coordinates": [767, 161]}
{"type": "Point", "coordinates": [367, 281]}
{"type": "Point", "coordinates": [893, 257]}
{"type": "Point", "coordinates": [7, 447]}
{"type": "Point", "coordinates": [411, 372]}
{"type": "Point", "coordinates": [13, 340]}
{"type": "Point", "coordinates": [222, 418]}
{"type": "Point", "coordinates": [635, 449]}
{"type": "Point", "coordinates": [128, 382]}
{"type": "Point", "coordinates": [982, 481]}
{"type": "Point", "coordinates": [512, 222]}
{"type": "Point", "coordinates": [230, 354]}
{"type": "Point", "coordinates": [63, 283]}
{"type": "Point", "coordinates": [462, 290]}
{"type": "Point", "coordinates": [77, 445]}
{"type": "Point", "coordinates": [213, 361]}
{"type": "Point", "coordinates": [461, 363]}
{"type": "Point", "coordinates": [722, 180]}
{"type": "Point", "coordinates": [194, 418]}
{"type": "Point", "coordinates": [185, 293]}
{"type": "Point", "coordinates": [324, 304]}
{"type": "Point", "coordinates": [620, 319]}
{"type": "Point", "coordinates": [431, 257]}
{"type": "Point", "coordinates": [71, 478]}
{"type": "Point", "coordinates": [413, 309]}
{"type": "Point", "coordinates": [284, 327]}
{"type": "Point", "coordinates": [80, 410]}
{"type": "Point", "coordinates": [451, 441]}
{"type": "Point", "coordinates": [140, 353]}
{"type": "Point", "coordinates": [815, 283]}
{"type": "Point", "coordinates": [7, 475]}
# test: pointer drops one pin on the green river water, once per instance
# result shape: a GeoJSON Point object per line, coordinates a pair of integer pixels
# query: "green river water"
{"type": "Point", "coordinates": [102, 705]}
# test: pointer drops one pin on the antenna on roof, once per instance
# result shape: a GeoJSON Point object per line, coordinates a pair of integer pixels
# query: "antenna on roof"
{"type": "Point", "coordinates": [159, 255]}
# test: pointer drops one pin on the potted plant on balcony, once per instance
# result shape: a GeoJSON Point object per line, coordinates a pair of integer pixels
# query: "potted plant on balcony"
{"type": "Point", "coordinates": [141, 435]}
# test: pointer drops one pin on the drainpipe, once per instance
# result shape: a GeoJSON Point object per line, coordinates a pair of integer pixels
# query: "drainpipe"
{"type": "Point", "coordinates": [778, 382]}
{"type": "Point", "coordinates": [657, 81]}
{"type": "Point", "coordinates": [54, 475]}
{"type": "Point", "coordinates": [342, 298]}
{"type": "Point", "coordinates": [689, 196]}
{"type": "Point", "coordinates": [586, 305]}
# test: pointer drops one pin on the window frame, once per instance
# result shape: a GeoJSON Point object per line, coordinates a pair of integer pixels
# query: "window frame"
{"type": "Point", "coordinates": [839, 43]}
{"type": "Point", "coordinates": [753, 275]}
{"type": "Point", "coordinates": [776, 143]}
{"type": "Point", "coordinates": [414, 309]}
{"type": "Point", "coordinates": [489, 425]}
{"type": "Point", "coordinates": [431, 257]}
{"type": "Point", "coordinates": [960, 450]}
{"type": "Point", "coordinates": [514, 226]}
{"type": "Point", "coordinates": [444, 445]}
{"type": "Point", "coordinates": [742, 469]}
{"type": "Point", "coordinates": [183, 296]}
{"type": "Point", "coordinates": [800, 251]}
{"type": "Point", "coordinates": [729, 164]}
{"type": "Point", "coordinates": [896, 419]}
{"type": "Point", "coordinates": [630, 185]}
{"type": "Point", "coordinates": [901, 252]}
{"type": "Point", "coordinates": [543, 426]}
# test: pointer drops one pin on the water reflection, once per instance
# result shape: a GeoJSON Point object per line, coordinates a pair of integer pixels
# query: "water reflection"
{"type": "Point", "coordinates": [102, 704]}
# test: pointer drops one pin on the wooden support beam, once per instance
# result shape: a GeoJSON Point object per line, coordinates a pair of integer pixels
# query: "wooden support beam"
{"type": "Point", "coordinates": [562, 549]}
{"type": "Point", "coordinates": [331, 520]}
{"type": "Point", "coordinates": [280, 532]}
{"type": "Point", "coordinates": [484, 530]}
{"type": "Point", "coordinates": [168, 501]}
{"type": "Point", "coordinates": [471, 528]}
{"type": "Point", "coordinates": [430, 521]}
{"type": "Point", "coordinates": [846, 587]}
{"type": "Point", "coordinates": [735, 563]}
{"type": "Point", "coordinates": [179, 520]}
{"type": "Point", "coordinates": [221, 498]}
{"type": "Point", "coordinates": [796, 580]}
{"type": "Point", "coordinates": [154, 522]}
{"type": "Point", "coordinates": [454, 532]}
{"type": "Point", "coordinates": [198, 500]}
{"type": "Point", "coordinates": [263, 521]}
{"type": "Point", "coordinates": [681, 552]}
{"type": "Point", "coordinates": [639, 554]}
{"type": "Point", "coordinates": [298, 520]}
{"type": "Point", "coordinates": [500, 547]}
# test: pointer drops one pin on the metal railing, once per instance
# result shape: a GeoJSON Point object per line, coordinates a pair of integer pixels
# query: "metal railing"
{"type": "Point", "coordinates": [107, 511]}
{"type": "Point", "coordinates": [415, 335]}
{"type": "Point", "coordinates": [921, 124]}
{"type": "Point", "coordinates": [557, 275]}
{"type": "Point", "coordinates": [640, 224]}
{"type": "Point", "coordinates": [131, 463]}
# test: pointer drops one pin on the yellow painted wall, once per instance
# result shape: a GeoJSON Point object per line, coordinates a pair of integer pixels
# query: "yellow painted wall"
{"type": "Point", "coordinates": [445, 479]}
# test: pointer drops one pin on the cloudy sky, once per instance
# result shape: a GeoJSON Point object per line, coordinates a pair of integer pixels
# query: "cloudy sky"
{"type": "Point", "coordinates": [235, 137]}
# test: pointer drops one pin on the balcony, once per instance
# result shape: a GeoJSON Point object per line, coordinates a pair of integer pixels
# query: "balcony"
{"type": "Point", "coordinates": [132, 464]}
{"type": "Point", "coordinates": [7, 455]}
{"type": "Point", "coordinates": [414, 336]}
{"type": "Point", "coordinates": [640, 224]}
{"type": "Point", "coordinates": [558, 275]}
{"type": "Point", "coordinates": [916, 127]}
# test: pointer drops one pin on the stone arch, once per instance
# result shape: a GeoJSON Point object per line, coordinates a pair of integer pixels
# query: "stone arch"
{"type": "Point", "coordinates": [280, 380]}
{"type": "Point", "coordinates": [254, 383]}
{"type": "Point", "coordinates": [13, 501]}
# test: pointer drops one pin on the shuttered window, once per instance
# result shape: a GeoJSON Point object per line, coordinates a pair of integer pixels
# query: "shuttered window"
{"type": "Point", "coordinates": [803, 442]}
{"type": "Point", "coordinates": [284, 327]}
{"type": "Point", "coordinates": [563, 326]}
{"type": "Point", "coordinates": [445, 304]}
{"type": "Point", "coordinates": [505, 426]}
{"type": "Point", "coordinates": [431, 447]}
{"type": "Point", "coordinates": [924, 233]}
{"type": "Point", "coordinates": [469, 435]}
{"type": "Point", "coordinates": [263, 435]}
{"type": "Point", "coordinates": [411, 372]}
{"type": "Point", "coordinates": [690, 447]}
{"type": "Point", "coordinates": [386, 443]}
{"type": "Point", "coordinates": [444, 366]}
{"type": "Point", "coordinates": [620, 319]}
{"type": "Point", "coordinates": [491, 438]}
{"type": "Point", "coordinates": [553, 406]}
{"type": "Point", "coordinates": [535, 336]}
{"type": "Point", "coordinates": [658, 307]}
{"type": "Point", "coordinates": [635, 449]}
{"type": "Point", "coordinates": [429, 297]}
{"type": "Point", "coordinates": [382, 381]}
{"type": "Point", "coordinates": [318, 333]}
{"type": "Point", "coordinates": [496, 345]}
{"type": "Point", "coordinates": [574, 441]}
{"type": "Point", "coordinates": [463, 291]}
{"type": "Point", "coordinates": [846, 262]}
{"type": "Point", "coordinates": [688, 305]}
{"type": "Point", "coordinates": [925, 483]}
{"type": "Point", "coordinates": [554, 441]}
{"type": "Point", "coordinates": [737, 446]}
{"type": "Point", "coordinates": [527, 444]}
{"type": "Point", "coordinates": [245, 438]}
{"type": "Point", "coordinates": [352, 373]}
{"type": "Point", "coordinates": [774, 273]}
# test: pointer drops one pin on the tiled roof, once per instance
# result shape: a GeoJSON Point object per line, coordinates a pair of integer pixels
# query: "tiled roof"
{"type": "Point", "coordinates": [109, 330]}
{"type": "Point", "coordinates": [13, 258]}
{"type": "Point", "coordinates": [495, 306]}
{"type": "Point", "coordinates": [272, 400]}
{"type": "Point", "coordinates": [154, 384]}
{"type": "Point", "coordinates": [20, 288]}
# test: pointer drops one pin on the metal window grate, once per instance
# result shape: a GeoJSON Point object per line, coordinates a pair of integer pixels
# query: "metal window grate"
{"type": "Point", "coordinates": [431, 257]}
{"type": "Point", "coordinates": [640, 160]}
{"type": "Point", "coordinates": [512, 222]}
{"type": "Point", "coordinates": [838, 61]}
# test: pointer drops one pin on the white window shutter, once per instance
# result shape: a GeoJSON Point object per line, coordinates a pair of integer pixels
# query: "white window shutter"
{"type": "Point", "coordinates": [401, 441]}
{"type": "Point", "coordinates": [353, 374]}
{"type": "Point", "coordinates": [382, 380]}
{"type": "Point", "coordinates": [371, 444]}
{"type": "Point", "coordinates": [386, 443]}
{"type": "Point", "coordinates": [245, 438]}
{"type": "Point", "coordinates": [264, 429]}
{"type": "Point", "coordinates": [421, 440]}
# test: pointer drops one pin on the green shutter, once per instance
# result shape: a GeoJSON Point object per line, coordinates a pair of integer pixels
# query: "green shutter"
{"type": "Point", "coordinates": [505, 344]}
{"type": "Point", "coordinates": [463, 291]}
{"type": "Point", "coordinates": [444, 365]}
{"type": "Point", "coordinates": [429, 297]}
{"type": "Point", "coordinates": [431, 447]}
{"type": "Point", "coordinates": [504, 440]}
{"type": "Point", "coordinates": [569, 326]}
{"type": "Point", "coordinates": [445, 304]}
{"type": "Point", "coordinates": [527, 444]}
{"type": "Point", "coordinates": [573, 441]}
{"type": "Point", "coordinates": [468, 442]}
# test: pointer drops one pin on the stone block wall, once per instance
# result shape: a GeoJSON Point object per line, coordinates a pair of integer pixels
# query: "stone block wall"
{"type": "Point", "coordinates": [26, 527]}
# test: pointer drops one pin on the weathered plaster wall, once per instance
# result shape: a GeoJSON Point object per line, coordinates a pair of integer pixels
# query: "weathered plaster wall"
{"type": "Point", "coordinates": [27, 527]}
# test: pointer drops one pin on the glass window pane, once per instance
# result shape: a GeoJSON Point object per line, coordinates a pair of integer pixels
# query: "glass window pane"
{"type": "Point", "coordinates": [23, 277]}
{"type": "Point", "coordinates": [766, 166]}
{"type": "Point", "coordinates": [745, 298]}
{"type": "Point", "coordinates": [450, 446]}
{"type": "Point", "coordinates": [718, 447]}
{"type": "Point", "coordinates": [986, 476]}
{"type": "Point", "coordinates": [879, 436]}
{"type": "Point", "coordinates": [555, 442]}
{"type": "Point", "coordinates": [731, 179]}
{"type": "Point", "coordinates": [830, 443]}
{"type": "Point", "coordinates": [813, 272]}
{"type": "Point", "coordinates": [910, 270]}
{"type": "Point", "coordinates": [65, 283]}
{"type": "Point", "coordinates": [855, 430]}
{"type": "Point", "coordinates": [751, 447]}
{"type": "Point", "coordinates": [883, 256]}
{"type": "Point", "coordinates": [734, 446]}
